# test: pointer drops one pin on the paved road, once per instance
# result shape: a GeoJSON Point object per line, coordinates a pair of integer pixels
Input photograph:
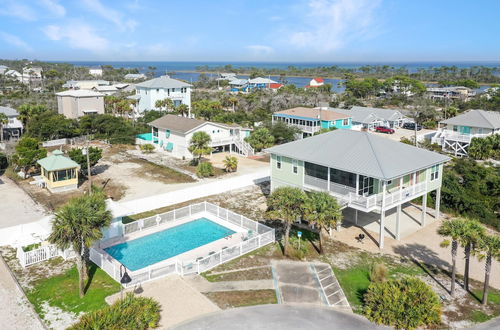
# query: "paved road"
{"type": "Point", "coordinates": [277, 317]}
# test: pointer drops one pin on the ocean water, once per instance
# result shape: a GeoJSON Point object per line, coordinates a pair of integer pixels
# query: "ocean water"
{"type": "Point", "coordinates": [148, 250]}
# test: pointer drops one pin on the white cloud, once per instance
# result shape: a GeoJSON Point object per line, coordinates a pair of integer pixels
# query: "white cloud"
{"type": "Point", "coordinates": [18, 10]}
{"type": "Point", "coordinates": [330, 24]}
{"type": "Point", "coordinates": [260, 49]}
{"type": "Point", "coordinates": [14, 40]}
{"type": "Point", "coordinates": [77, 35]}
{"type": "Point", "coordinates": [54, 7]}
{"type": "Point", "coordinates": [110, 14]}
{"type": "Point", "coordinates": [158, 49]}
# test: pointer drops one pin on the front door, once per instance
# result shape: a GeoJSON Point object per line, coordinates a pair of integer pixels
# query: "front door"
{"type": "Point", "coordinates": [365, 186]}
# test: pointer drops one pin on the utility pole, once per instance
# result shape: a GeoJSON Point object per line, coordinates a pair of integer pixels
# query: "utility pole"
{"type": "Point", "coordinates": [89, 176]}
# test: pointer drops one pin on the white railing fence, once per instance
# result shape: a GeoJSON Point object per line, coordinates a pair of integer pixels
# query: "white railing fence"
{"type": "Point", "coordinates": [27, 258]}
{"type": "Point", "coordinates": [258, 235]}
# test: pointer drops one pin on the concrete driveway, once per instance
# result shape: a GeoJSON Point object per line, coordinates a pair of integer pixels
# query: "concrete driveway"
{"type": "Point", "coordinates": [403, 132]}
{"type": "Point", "coordinates": [17, 206]}
{"type": "Point", "coordinates": [276, 317]}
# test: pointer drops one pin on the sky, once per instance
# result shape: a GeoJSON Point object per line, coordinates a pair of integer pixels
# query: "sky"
{"type": "Point", "coordinates": [253, 30]}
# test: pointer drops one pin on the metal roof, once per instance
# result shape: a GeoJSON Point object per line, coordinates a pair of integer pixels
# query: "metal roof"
{"type": "Point", "coordinates": [360, 152]}
{"type": "Point", "coordinates": [79, 93]}
{"type": "Point", "coordinates": [9, 112]}
{"type": "Point", "coordinates": [163, 82]}
{"type": "Point", "coordinates": [476, 118]}
{"type": "Point", "coordinates": [367, 115]}
{"type": "Point", "coordinates": [57, 161]}
{"type": "Point", "coordinates": [260, 80]}
{"type": "Point", "coordinates": [313, 113]}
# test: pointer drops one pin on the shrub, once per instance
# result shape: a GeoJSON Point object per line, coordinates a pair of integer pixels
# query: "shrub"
{"type": "Point", "coordinates": [405, 303]}
{"type": "Point", "coordinates": [204, 170]}
{"type": "Point", "coordinates": [230, 163]}
{"type": "Point", "coordinates": [147, 148]}
{"type": "Point", "coordinates": [378, 273]}
{"type": "Point", "coordinates": [129, 313]}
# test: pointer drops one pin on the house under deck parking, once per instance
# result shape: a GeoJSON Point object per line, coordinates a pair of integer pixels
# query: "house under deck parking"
{"type": "Point", "coordinates": [363, 171]}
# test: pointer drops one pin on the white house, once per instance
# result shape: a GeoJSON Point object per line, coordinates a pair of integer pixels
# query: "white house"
{"type": "Point", "coordinates": [163, 87]}
{"type": "Point", "coordinates": [315, 82]}
{"type": "Point", "coordinates": [172, 134]}
{"type": "Point", "coordinates": [135, 76]}
{"type": "Point", "coordinates": [455, 134]}
{"type": "Point", "coordinates": [14, 74]}
{"type": "Point", "coordinates": [3, 69]}
{"type": "Point", "coordinates": [96, 72]}
{"type": "Point", "coordinates": [31, 74]}
{"type": "Point", "coordinates": [369, 118]}
{"type": "Point", "coordinates": [14, 128]}
{"type": "Point", "coordinates": [107, 90]}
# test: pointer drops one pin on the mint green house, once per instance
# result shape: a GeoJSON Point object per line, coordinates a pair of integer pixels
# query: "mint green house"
{"type": "Point", "coordinates": [365, 172]}
{"type": "Point", "coordinates": [312, 120]}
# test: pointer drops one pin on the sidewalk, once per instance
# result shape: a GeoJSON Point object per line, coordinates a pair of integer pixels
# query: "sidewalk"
{"type": "Point", "coordinates": [202, 285]}
{"type": "Point", "coordinates": [15, 311]}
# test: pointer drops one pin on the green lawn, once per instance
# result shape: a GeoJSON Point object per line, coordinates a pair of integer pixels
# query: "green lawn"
{"type": "Point", "coordinates": [62, 291]}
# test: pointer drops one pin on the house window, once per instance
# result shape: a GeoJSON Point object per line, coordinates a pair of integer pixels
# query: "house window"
{"type": "Point", "coordinates": [278, 162]}
{"type": "Point", "coordinates": [346, 122]}
{"type": "Point", "coordinates": [157, 90]}
{"type": "Point", "coordinates": [389, 182]}
{"type": "Point", "coordinates": [295, 166]}
{"type": "Point", "coordinates": [317, 171]}
{"type": "Point", "coordinates": [434, 172]}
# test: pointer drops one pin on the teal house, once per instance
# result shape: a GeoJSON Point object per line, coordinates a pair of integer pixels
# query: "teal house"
{"type": "Point", "coordinates": [366, 173]}
{"type": "Point", "coordinates": [312, 120]}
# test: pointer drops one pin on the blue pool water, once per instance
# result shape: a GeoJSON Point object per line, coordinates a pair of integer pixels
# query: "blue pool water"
{"type": "Point", "coordinates": [145, 136]}
{"type": "Point", "coordinates": [147, 250]}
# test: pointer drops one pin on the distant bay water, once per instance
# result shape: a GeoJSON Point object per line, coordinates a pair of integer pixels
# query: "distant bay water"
{"type": "Point", "coordinates": [175, 69]}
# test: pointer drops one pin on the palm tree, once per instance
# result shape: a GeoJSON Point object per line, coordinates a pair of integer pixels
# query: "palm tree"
{"type": "Point", "coordinates": [200, 144]}
{"type": "Point", "coordinates": [78, 225]}
{"type": "Point", "coordinates": [286, 204]}
{"type": "Point", "coordinates": [322, 210]}
{"type": "Point", "coordinates": [233, 100]}
{"type": "Point", "coordinates": [169, 104]}
{"type": "Point", "coordinates": [489, 246]}
{"type": "Point", "coordinates": [453, 229]}
{"type": "Point", "coordinates": [182, 109]}
{"type": "Point", "coordinates": [230, 163]}
{"type": "Point", "coordinates": [470, 238]}
{"type": "Point", "coordinates": [159, 104]}
{"type": "Point", "coordinates": [4, 120]}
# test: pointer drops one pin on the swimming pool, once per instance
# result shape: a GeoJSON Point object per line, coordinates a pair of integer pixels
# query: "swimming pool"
{"type": "Point", "coordinates": [147, 250]}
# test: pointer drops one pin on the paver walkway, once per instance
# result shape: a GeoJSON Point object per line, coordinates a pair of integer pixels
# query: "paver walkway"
{"type": "Point", "coordinates": [297, 283]}
{"type": "Point", "coordinates": [15, 311]}
{"type": "Point", "coordinates": [201, 284]}
{"type": "Point", "coordinates": [179, 301]}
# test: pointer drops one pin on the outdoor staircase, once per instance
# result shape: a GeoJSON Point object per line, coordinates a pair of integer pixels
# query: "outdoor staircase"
{"type": "Point", "coordinates": [244, 148]}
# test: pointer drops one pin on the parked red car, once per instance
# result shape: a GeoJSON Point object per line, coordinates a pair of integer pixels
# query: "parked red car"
{"type": "Point", "coordinates": [384, 129]}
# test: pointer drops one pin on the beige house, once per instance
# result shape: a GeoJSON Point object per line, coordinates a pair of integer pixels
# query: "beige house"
{"type": "Point", "coordinates": [77, 103]}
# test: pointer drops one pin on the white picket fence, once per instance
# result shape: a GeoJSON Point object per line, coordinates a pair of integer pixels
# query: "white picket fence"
{"type": "Point", "coordinates": [258, 235]}
{"type": "Point", "coordinates": [41, 254]}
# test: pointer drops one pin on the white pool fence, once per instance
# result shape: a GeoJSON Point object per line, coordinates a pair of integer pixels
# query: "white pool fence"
{"type": "Point", "coordinates": [258, 235]}
{"type": "Point", "coordinates": [27, 258]}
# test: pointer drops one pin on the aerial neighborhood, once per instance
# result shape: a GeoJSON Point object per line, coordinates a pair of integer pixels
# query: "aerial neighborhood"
{"type": "Point", "coordinates": [141, 190]}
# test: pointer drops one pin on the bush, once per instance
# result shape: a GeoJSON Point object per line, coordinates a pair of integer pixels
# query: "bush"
{"type": "Point", "coordinates": [205, 170]}
{"type": "Point", "coordinates": [147, 148]}
{"type": "Point", "coordinates": [129, 313]}
{"type": "Point", "coordinates": [378, 273]}
{"type": "Point", "coordinates": [405, 303]}
{"type": "Point", "coordinates": [4, 163]}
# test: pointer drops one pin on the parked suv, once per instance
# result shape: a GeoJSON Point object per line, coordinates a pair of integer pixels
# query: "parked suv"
{"type": "Point", "coordinates": [412, 126]}
{"type": "Point", "coordinates": [384, 129]}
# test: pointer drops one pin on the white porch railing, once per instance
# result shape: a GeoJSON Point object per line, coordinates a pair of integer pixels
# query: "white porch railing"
{"type": "Point", "coordinates": [241, 144]}
{"type": "Point", "coordinates": [457, 136]}
{"type": "Point", "coordinates": [41, 254]}
{"type": "Point", "coordinates": [258, 235]}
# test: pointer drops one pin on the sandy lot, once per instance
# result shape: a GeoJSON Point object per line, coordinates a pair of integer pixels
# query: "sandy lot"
{"type": "Point", "coordinates": [403, 132]}
{"type": "Point", "coordinates": [17, 206]}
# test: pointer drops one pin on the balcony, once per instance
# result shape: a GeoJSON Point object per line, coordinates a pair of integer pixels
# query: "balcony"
{"type": "Point", "coordinates": [306, 129]}
{"type": "Point", "coordinates": [347, 195]}
{"type": "Point", "coordinates": [456, 136]}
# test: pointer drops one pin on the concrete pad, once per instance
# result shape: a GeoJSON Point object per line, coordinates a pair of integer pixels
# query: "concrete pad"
{"type": "Point", "coordinates": [17, 206]}
{"type": "Point", "coordinates": [297, 283]}
{"type": "Point", "coordinates": [179, 301]}
{"type": "Point", "coordinates": [410, 221]}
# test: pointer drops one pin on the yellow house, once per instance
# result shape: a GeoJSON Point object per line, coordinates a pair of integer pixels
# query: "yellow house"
{"type": "Point", "coordinates": [59, 172]}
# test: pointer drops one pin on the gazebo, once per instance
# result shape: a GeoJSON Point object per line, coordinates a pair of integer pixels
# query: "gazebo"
{"type": "Point", "coordinates": [59, 172]}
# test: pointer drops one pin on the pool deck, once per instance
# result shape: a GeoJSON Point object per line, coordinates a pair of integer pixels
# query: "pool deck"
{"type": "Point", "coordinates": [191, 255]}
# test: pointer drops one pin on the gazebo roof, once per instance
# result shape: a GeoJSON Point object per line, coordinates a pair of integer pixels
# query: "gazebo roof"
{"type": "Point", "coordinates": [57, 161]}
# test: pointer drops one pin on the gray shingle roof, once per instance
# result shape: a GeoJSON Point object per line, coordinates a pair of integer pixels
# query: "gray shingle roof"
{"type": "Point", "coordinates": [476, 118]}
{"type": "Point", "coordinates": [9, 112]}
{"type": "Point", "coordinates": [163, 82]}
{"type": "Point", "coordinates": [360, 152]}
{"type": "Point", "coordinates": [177, 123]}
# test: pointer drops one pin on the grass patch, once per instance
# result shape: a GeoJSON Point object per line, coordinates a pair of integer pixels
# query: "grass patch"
{"type": "Point", "coordinates": [62, 291]}
{"type": "Point", "coordinates": [478, 316]}
{"type": "Point", "coordinates": [243, 275]}
{"type": "Point", "coordinates": [493, 296]}
{"type": "Point", "coordinates": [231, 299]}
{"type": "Point", "coordinates": [158, 172]}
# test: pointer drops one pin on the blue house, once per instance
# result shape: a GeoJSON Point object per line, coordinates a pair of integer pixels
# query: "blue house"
{"type": "Point", "coordinates": [312, 120]}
